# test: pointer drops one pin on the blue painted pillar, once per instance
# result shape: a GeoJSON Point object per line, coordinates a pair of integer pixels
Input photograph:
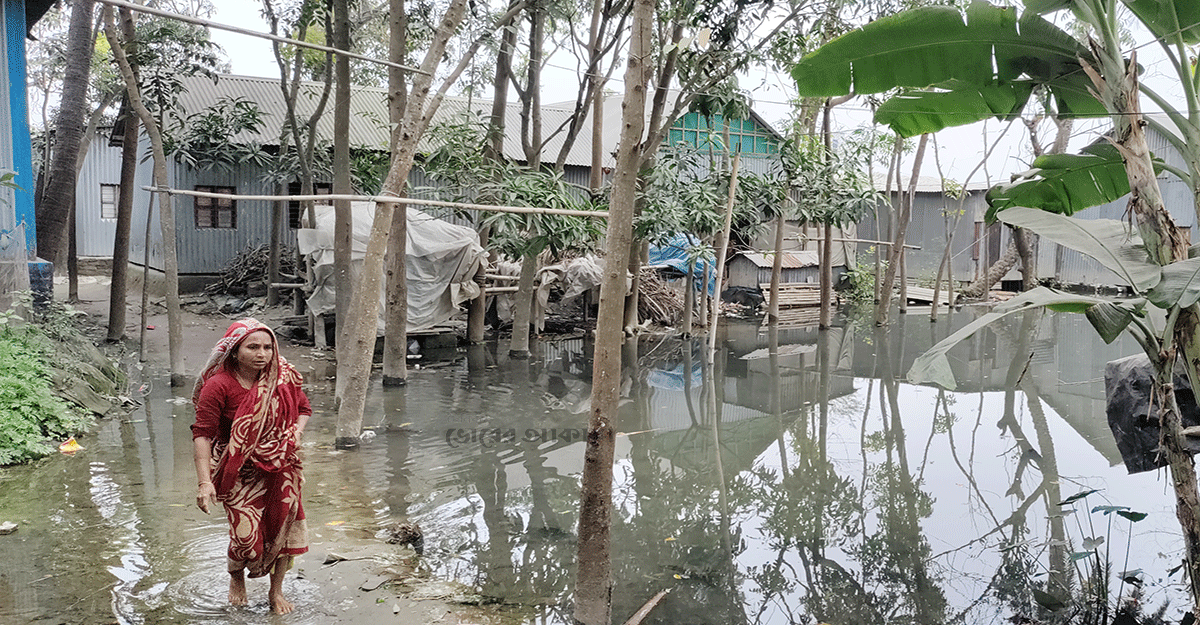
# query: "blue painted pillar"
{"type": "Point", "coordinates": [14, 14]}
{"type": "Point", "coordinates": [41, 273]}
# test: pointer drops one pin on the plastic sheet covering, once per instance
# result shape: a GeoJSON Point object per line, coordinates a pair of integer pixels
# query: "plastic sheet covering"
{"type": "Point", "coordinates": [442, 259]}
{"type": "Point", "coordinates": [574, 276]}
{"type": "Point", "coordinates": [674, 254]}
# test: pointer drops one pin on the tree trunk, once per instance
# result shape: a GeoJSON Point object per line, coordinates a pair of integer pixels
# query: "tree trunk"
{"type": "Point", "coordinates": [395, 324]}
{"type": "Point", "coordinates": [395, 341]}
{"type": "Point", "coordinates": [1002, 266]}
{"type": "Point", "coordinates": [593, 574]}
{"type": "Point", "coordinates": [54, 212]}
{"type": "Point", "coordinates": [118, 289]}
{"type": "Point", "coordinates": [278, 215]}
{"type": "Point", "coordinates": [477, 309]}
{"type": "Point", "coordinates": [1117, 84]}
{"type": "Point", "coordinates": [1025, 249]}
{"type": "Point", "coordinates": [364, 311]}
{"type": "Point", "coordinates": [689, 300]}
{"type": "Point", "coordinates": [518, 346]}
{"type": "Point", "coordinates": [343, 217]}
{"type": "Point", "coordinates": [826, 314]}
{"type": "Point", "coordinates": [531, 112]}
{"type": "Point", "coordinates": [635, 271]}
{"type": "Point", "coordinates": [72, 257]}
{"type": "Point", "coordinates": [895, 254]}
{"type": "Point", "coordinates": [776, 269]}
{"type": "Point", "coordinates": [166, 211]}
{"type": "Point", "coordinates": [827, 240]}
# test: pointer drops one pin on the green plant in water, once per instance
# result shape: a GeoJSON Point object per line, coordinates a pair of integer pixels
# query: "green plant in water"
{"type": "Point", "coordinates": [1080, 589]}
{"type": "Point", "coordinates": [31, 415]}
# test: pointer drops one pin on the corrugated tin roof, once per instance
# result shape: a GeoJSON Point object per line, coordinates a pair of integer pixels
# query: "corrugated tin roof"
{"type": "Point", "coordinates": [791, 260]}
{"type": "Point", "coordinates": [925, 184]}
{"type": "Point", "coordinates": [369, 116]}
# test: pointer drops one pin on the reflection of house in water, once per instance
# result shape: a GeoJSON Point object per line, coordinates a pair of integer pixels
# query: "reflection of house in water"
{"type": "Point", "coordinates": [1057, 356]}
{"type": "Point", "coordinates": [749, 378]}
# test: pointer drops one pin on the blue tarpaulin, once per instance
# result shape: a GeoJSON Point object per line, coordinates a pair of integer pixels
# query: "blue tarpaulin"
{"type": "Point", "coordinates": [674, 254]}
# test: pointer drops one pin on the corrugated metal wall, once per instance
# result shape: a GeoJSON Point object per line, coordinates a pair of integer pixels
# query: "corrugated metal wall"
{"type": "Point", "coordinates": [927, 230]}
{"type": "Point", "coordinates": [102, 165]}
{"type": "Point", "coordinates": [209, 250]}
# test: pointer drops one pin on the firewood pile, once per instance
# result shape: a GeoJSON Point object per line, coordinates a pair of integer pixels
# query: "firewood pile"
{"type": "Point", "coordinates": [658, 302]}
{"type": "Point", "coordinates": [249, 268]}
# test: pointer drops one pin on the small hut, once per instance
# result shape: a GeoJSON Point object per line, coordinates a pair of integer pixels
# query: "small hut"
{"type": "Point", "coordinates": [752, 269]}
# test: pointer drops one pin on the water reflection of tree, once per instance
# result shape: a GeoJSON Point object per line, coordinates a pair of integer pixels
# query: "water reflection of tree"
{"type": "Point", "coordinates": [863, 557]}
{"type": "Point", "coordinates": [1020, 571]}
{"type": "Point", "coordinates": [514, 543]}
{"type": "Point", "coordinates": [674, 521]}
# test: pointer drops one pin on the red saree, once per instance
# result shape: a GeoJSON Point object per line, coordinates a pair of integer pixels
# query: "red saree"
{"type": "Point", "coordinates": [257, 473]}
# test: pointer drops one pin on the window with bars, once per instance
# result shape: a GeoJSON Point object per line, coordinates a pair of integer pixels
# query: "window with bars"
{"type": "Point", "coordinates": [295, 212]}
{"type": "Point", "coordinates": [216, 212]}
{"type": "Point", "coordinates": [109, 195]}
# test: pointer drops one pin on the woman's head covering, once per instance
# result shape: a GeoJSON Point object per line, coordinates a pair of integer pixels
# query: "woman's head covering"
{"type": "Point", "coordinates": [226, 349]}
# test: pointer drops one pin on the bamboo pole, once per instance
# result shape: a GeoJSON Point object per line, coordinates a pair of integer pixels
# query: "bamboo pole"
{"type": "Point", "coordinates": [715, 302]}
{"type": "Point", "coordinates": [385, 198]}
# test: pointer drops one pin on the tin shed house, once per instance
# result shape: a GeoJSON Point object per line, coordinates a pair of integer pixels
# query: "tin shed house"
{"type": "Point", "coordinates": [212, 232]}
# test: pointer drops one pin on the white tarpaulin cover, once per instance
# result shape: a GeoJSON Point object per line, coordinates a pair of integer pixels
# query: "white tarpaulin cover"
{"type": "Point", "coordinates": [442, 259]}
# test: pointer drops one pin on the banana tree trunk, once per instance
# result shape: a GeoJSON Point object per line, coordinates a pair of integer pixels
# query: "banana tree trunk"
{"type": "Point", "coordinates": [1117, 85]}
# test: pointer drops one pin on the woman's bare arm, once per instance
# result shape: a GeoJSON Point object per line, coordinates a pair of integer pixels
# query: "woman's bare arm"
{"type": "Point", "coordinates": [206, 493]}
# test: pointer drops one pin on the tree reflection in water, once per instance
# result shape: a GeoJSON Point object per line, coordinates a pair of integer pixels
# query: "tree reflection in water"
{"type": "Point", "coordinates": [793, 477]}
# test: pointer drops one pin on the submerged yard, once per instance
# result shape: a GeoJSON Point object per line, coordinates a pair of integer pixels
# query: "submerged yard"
{"type": "Point", "coordinates": [824, 488]}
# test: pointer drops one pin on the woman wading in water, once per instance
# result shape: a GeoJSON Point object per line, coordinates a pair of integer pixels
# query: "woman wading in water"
{"type": "Point", "coordinates": [250, 412]}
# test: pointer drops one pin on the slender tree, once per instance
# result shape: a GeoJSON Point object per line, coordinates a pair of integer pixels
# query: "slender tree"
{"type": "Point", "coordinates": [58, 199]}
{"type": "Point", "coordinates": [363, 319]}
{"type": "Point", "coordinates": [593, 574]}
{"type": "Point", "coordinates": [343, 225]}
{"type": "Point", "coordinates": [395, 342]}
{"type": "Point", "coordinates": [167, 213]}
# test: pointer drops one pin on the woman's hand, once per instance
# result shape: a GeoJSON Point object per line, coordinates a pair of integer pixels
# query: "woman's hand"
{"type": "Point", "coordinates": [206, 495]}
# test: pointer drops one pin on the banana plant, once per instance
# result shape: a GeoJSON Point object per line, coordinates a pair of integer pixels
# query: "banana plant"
{"type": "Point", "coordinates": [947, 67]}
{"type": "Point", "coordinates": [955, 67]}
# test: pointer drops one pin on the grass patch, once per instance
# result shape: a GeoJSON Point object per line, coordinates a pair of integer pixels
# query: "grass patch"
{"type": "Point", "coordinates": [33, 418]}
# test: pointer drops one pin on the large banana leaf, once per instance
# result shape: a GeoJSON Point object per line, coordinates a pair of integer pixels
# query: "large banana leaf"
{"type": "Point", "coordinates": [931, 45]}
{"type": "Point", "coordinates": [1164, 18]}
{"type": "Point", "coordinates": [1072, 93]}
{"type": "Point", "coordinates": [934, 365]}
{"type": "Point", "coordinates": [1109, 241]}
{"type": "Point", "coordinates": [1065, 183]}
{"type": "Point", "coordinates": [1180, 285]}
{"type": "Point", "coordinates": [918, 112]}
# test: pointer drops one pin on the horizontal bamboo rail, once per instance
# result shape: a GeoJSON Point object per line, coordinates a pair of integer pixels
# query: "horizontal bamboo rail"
{"type": "Point", "coordinates": [383, 199]}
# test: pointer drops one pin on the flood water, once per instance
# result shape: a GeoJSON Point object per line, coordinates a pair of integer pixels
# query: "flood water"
{"type": "Point", "coordinates": [812, 485]}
